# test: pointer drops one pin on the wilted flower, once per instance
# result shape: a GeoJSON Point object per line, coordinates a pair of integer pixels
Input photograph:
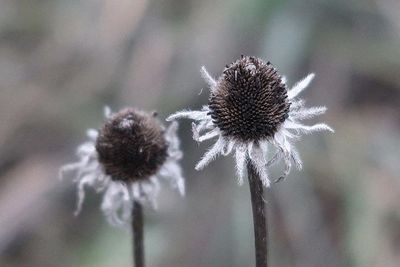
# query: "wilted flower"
{"type": "Point", "coordinates": [124, 159]}
{"type": "Point", "coordinates": [250, 109]}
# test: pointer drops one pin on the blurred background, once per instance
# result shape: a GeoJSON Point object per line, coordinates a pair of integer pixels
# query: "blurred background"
{"type": "Point", "coordinates": [61, 61]}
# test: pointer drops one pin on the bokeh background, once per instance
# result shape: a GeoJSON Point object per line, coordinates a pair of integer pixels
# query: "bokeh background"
{"type": "Point", "coordinates": [61, 61]}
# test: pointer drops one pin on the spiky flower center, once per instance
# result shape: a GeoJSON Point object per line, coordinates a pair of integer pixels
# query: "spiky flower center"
{"type": "Point", "coordinates": [249, 102]}
{"type": "Point", "coordinates": [131, 146]}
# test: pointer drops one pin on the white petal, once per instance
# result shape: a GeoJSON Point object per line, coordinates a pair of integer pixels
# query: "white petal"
{"type": "Point", "coordinates": [211, 134]}
{"type": "Point", "coordinates": [150, 190]}
{"type": "Point", "coordinates": [228, 149]}
{"type": "Point", "coordinates": [196, 132]}
{"type": "Point", "coordinates": [135, 191]}
{"type": "Point", "coordinates": [188, 114]}
{"type": "Point", "coordinates": [173, 141]}
{"type": "Point", "coordinates": [68, 168]}
{"type": "Point", "coordinates": [288, 152]}
{"type": "Point", "coordinates": [107, 112]}
{"type": "Point", "coordinates": [212, 153]}
{"type": "Point", "coordinates": [290, 135]}
{"type": "Point", "coordinates": [92, 134]}
{"type": "Point", "coordinates": [116, 202]}
{"type": "Point", "coordinates": [86, 180]}
{"type": "Point", "coordinates": [240, 156]}
{"type": "Point", "coordinates": [296, 158]}
{"type": "Point", "coordinates": [274, 159]}
{"type": "Point", "coordinates": [171, 132]}
{"type": "Point", "coordinates": [207, 77]}
{"type": "Point", "coordinates": [300, 86]}
{"type": "Point", "coordinates": [281, 142]}
{"type": "Point", "coordinates": [257, 158]}
{"type": "Point", "coordinates": [284, 80]}
{"type": "Point", "coordinates": [307, 113]}
{"type": "Point", "coordinates": [181, 186]}
{"type": "Point", "coordinates": [86, 148]}
{"type": "Point", "coordinates": [288, 166]}
{"type": "Point", "coordinates": [296, 104]}
{"type": "Point", "coordinates": [173, 172]}
{"type": "Point", "coordinates": [308, 129]}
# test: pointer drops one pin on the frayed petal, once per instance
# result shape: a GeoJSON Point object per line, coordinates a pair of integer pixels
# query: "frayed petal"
{"type": "Point", "coordinates": [211, 134]}
{"type": "Point", "coordinates": [286, 152]}
{"type": "Point", "coordinates": [296, 158]}
{"type": "Point", "coordinates": [300, 86]}
{"type": "Point", "coordinates": [228, 148]}
{"type": "Point", "coordinates": [308, 129]}
{"type": "Point", "coordinates": [208, 78]}
{"type": "Point", "coordinates": [173, 172]}
{"type": "Point", "coordinates": [188, 114]}
{"type": "Point", "coordinates": [86, 180]}
{"type": "Point", "coordinates": [257, 158]}
{"type": "Point", "coordinates": [307, 113]}
{"type": "Point", "coordinates": [241, 158]}
{"type": "Point", "coordinates": [173, 141]}
{"type": "Point", "coordinates": [210, 155]}
{"type": "Point", "coordinates": [117, 204]}
{"type": "Point", "coordinates": [86, 149]}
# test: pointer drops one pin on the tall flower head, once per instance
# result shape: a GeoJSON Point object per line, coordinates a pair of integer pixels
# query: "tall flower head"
{"type": "Point", "coordinates": [250, 111]}
{"type": "Point", "coordinates": [125, 159]}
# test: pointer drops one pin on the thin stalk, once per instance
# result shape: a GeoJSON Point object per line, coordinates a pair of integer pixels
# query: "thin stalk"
{"type": "Point", "coordinates": [259, 216]}
{"type": "Point", "coordinates": [137, 232]}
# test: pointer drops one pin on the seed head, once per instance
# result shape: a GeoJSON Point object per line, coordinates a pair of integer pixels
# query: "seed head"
{"type": "Point", "coordinates": [131, 146]}
{"type": "Point", "coordinates": [249, 102]}
{"type": "Point", "coordinates": [250, 111]}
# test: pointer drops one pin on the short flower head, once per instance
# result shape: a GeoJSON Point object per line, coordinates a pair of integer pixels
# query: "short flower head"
{"type": "Point", "coordinates": [124, 159]}
{"type": "Point", "coordinates": [250, 109]}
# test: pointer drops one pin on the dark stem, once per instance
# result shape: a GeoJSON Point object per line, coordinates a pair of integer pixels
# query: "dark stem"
{"type": "Point", "coordinates": [137, 232]}
{"type": "Point", "coordinates": [259, 216]}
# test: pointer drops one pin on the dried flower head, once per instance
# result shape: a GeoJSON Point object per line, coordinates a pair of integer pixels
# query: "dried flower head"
{"type": "Point", "coordinates": [125, 159]}
{"type": "Point", "coordinates": [131, 146]}
{"type": "Point", "coordinates": [250, 101]}
{"type": "Point", "coordinates": [250, 109]}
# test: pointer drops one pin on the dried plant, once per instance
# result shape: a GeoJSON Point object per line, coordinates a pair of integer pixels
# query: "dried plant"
{"type": "Point", "coordinates": [125, 160]}
{"type": "Point", "coordinates": [250, 111]}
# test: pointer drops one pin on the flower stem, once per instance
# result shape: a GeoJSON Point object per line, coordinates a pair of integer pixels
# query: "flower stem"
{"type": "Point", "coordinates": [259, 216]}
{"type": "Point", "coordinates": [137, 232]}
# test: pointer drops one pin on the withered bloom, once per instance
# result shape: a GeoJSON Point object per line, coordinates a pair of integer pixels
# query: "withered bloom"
{"type": "Point", "coordinates": [124, 159]}
{"type": "Point", "coordinates": [250, 108]}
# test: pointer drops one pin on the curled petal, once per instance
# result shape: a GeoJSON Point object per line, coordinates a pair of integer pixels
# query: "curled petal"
{"type": "Point", "coordinates": [288, 166]}
{"type": "Point", "coordinates": [257, 157]}
{"type": "Point", "coordinates": [173, 141]}
{"type": "Point", "coordinates": [296, 158]}
{"type": "Point", "coordinates": [173, 172]}
{"type": "Point", "coordinates": [116, 204]}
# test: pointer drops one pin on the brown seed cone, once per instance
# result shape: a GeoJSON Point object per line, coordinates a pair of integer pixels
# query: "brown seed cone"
{"type": "Point", "coordinates": [131, 146]}
{"type": "Point", "coordinates": [249, 102]}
